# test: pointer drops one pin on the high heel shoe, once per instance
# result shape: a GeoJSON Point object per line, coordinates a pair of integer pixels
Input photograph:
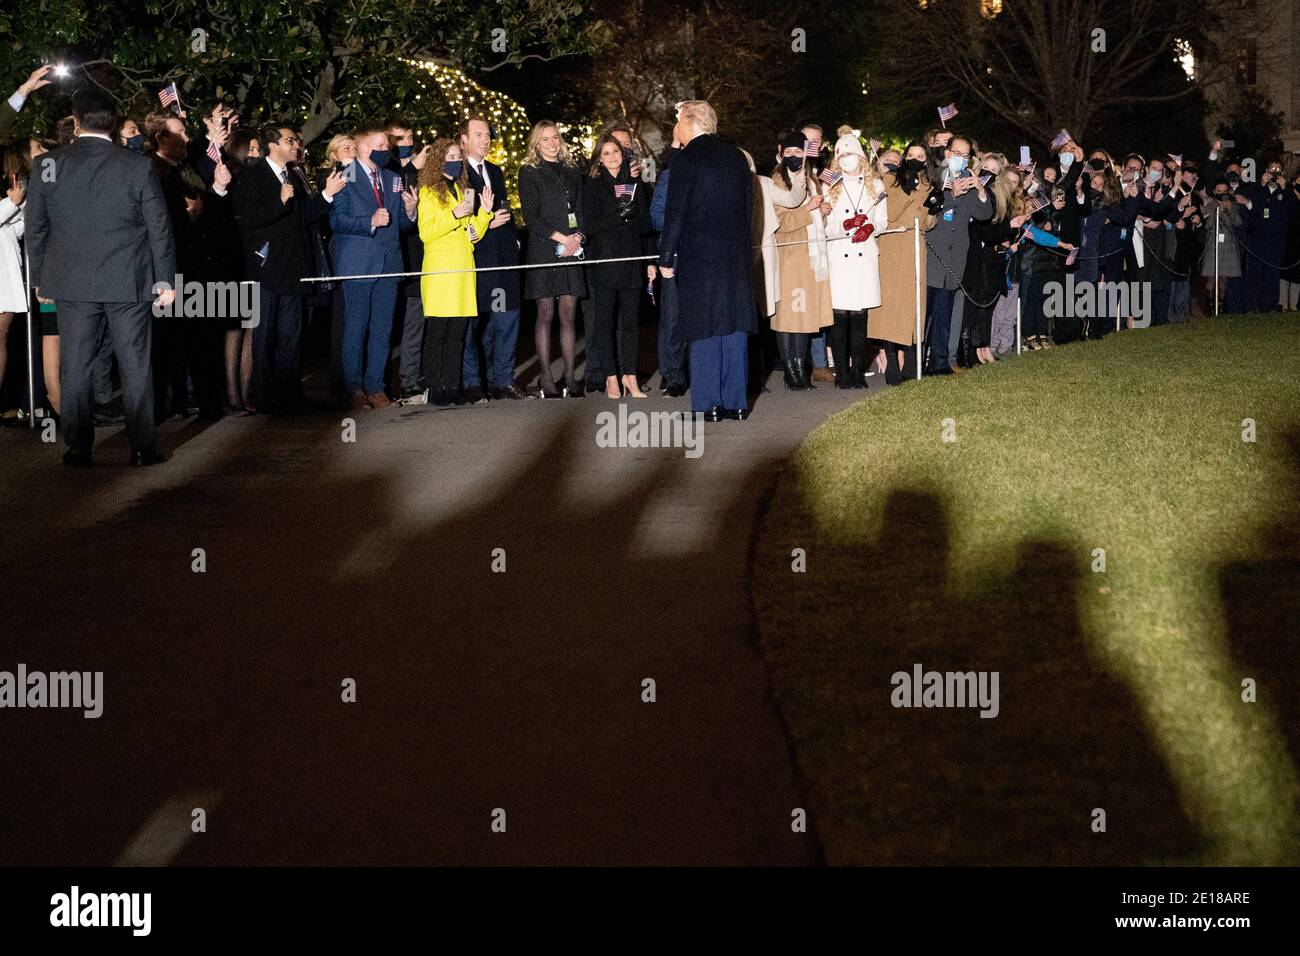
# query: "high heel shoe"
{"type": "Point", "coordinates": [632, 389]}
{"type": "Point", "coordinates": [548, 390]}
{"type": "Point", "coordinates": [574, 389]}
{"type": "Point", "coordinates": [613, 391]}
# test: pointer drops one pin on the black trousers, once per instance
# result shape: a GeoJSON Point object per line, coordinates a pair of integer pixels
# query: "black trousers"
{"type": "Point", "coordinates": [277, 351]}
{"type": "Point", "coordinates": [187, 348]}
{"type": "Point", "coordinates": [617, 333]}
{"type": "Point", "coordinates": [82, 327]}
{"type": "Point", "coordinates": [849, 341]}
{"type": "Point", "coordinates": [444, 350]}
{"type": "Point", "coordinates": [672, 351]}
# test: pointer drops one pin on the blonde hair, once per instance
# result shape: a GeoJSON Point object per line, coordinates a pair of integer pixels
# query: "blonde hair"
{"type": "Point", "coordinates": [872, 184]}
{"type": "Point", "coordinates": [533, 156]}
{"type": "Point", "coordinates": [336, 143]}
{"type": "Point", "coordinates": [700, 113]}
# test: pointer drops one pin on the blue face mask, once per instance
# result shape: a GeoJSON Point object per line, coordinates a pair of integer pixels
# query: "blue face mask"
{"type": "Point", "coordinates": [135, 143]}
{"type": "Point", "coordinates": [956, 165]}
{"type": "Point", "coordinates": [404, 152]}
{"type": "Point", "coordinates": [1153, 176]}
{"type": "Point", "coordinates": [453, 168]}
{"type": "Point", "coordinates": [380, 157]}
{"type": "Point", "coordinates": [1067, 160]}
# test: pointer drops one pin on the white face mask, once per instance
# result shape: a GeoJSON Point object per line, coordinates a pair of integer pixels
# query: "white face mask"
{"type": "Point", "coordinates": [849, 163]}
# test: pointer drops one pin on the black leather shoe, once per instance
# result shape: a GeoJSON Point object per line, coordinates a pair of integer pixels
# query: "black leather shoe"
{"type": "Point", "coordinates": [439, 397]}
{"type": "Point", "coordinates": [474, 396]}
{"type": "Point", "coordinates": [675, 390]}
{"type": "Point", "coordinates": [946, 370]}
{"type": "Point", "coordinates": [575, 390]}
{"type": "Point", "coordinates": [791, 377]}
{"type": "Point", "coordinates": [551, 390]}
{"type": "Point", "coordinates": [411, 392]}
{"type": "Point", "coordinates": [714, 414]}
{"type": "Point", "coordinates": [457, 396]}
{"type": "Point", "coordinates": [77, 459]}
{"type": "Point", "coordinates": [147, 456]}
{"type": "Point", "coordinates": [736, 414]}
{"type": "Point", "coordinates": [509, 393]}
{"type": "Point", "coordinates": [595, 387]}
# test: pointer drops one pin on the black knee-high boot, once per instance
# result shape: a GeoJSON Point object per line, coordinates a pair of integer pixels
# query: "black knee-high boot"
{"type": "Point", "coordinates": [783, 343]}
{"type": "Point", "coordinates": [840, 335]}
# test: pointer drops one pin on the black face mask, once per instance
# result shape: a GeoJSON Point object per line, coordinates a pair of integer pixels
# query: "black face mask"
{"type": "Point", "coordinates": [793, 163]}
{"type": "Point", "coordinates": [913, 165]}
{"type": "Point", "coordinates": [1221, 196]}
{"type": "Point", "coordinates": [891, 167]}
{"type": "Point", "coordinates": [252, 160]}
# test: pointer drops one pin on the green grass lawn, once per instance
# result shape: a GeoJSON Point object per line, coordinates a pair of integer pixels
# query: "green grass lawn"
{"type": "Point", "coordinates": [1120, 690]}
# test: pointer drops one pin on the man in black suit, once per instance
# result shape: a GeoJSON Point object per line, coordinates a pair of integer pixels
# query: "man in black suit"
{"type": "Point", "coordinates": [498, 292]}
{"type": "Point", "coordinates": [100, 240]}
{"type": "Point", "coordinates": [277, 216]}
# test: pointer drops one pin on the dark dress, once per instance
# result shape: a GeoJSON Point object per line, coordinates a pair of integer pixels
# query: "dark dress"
{"type": "Point", "coordinates": [547, 194]}
{"type": "Point", "coordinates": [1291, 254]}
{"type": "Point", "coordinates": [985, 278]}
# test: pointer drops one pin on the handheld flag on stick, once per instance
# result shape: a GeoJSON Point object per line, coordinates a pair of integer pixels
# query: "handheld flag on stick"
{"type": "Point", "coordinates": [169, 96]}
{"type": "Point", "coordinates": [214, 153]}
{"type": "Point", "coordinates": [1025, 158]}
{"type": "Point", "coordinates": [946, 113]}
{"type": "Point", "coordinates": [875, 146]}
{"type": "Point", "coordinates": [1036, 203]}
{"type": "Point", "coordinates": [624, 189]}
{"type": "Point", "coordinates": [812, 148]}
{"type": "Point", "coordinates": [829, 176]}
{"type": "Point", "coordinates": [1062, 137]}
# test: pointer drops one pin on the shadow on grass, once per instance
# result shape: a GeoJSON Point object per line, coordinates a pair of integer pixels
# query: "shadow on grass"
{"type": "Point", "coordinates": [943, 785]}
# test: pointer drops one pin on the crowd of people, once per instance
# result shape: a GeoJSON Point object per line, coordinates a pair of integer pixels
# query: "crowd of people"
{"type": "Point", "coordinates": [813, 269]}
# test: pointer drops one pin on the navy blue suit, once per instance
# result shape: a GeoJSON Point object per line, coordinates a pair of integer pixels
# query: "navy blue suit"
{"type": "Point", "coordinates": [358, 248]}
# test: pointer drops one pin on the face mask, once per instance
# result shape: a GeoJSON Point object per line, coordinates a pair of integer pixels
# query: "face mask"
{"type": "Point", "coordinates": [849, 163]}
{"type": "Point", "coordinates": [914, 165]}
{"type": "Point", "coordinates": [1232, 178]}
{"type": "Point", "coordinates": [793, 163]}
{"type": "Point", "coordinates": [893, 168]}
{"type": "Point", "coordinates": [1153, 176]}
{"type": "Point", "coordinates": [956, 165]}
{"type": "Point", "coordinates": [404, 152]}
{"type": "Point", "coordinates": [252, 160]}
{"type": "Point", "coordinates": [135, 143]}
{"type": "Point", "coordinates": [1067, 160]}
{"type": "Point", "coordinates": [380, 157]}
{"type": "Point", "coordinates": [453, 167]}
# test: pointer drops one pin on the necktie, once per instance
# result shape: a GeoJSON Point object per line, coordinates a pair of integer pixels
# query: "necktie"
{"type": "Point", "coordinates": [284, 176]}
{"type": "Point", "coordinates": [374, 181]}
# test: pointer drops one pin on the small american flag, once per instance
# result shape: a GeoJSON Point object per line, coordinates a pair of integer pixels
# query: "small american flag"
{"type": "Point", "coordinates": [397, 184]}
{"type": "Point", "coordinates": [1062, 137]}
{"type": "Point", "coordinates": [829, 176]}
{"type": "Point", "coordinates": [624, 189]}
{"type": "Point", "coordinates": [1036, 203]}
{"type": "Point", "coordinates": [874, 145]}
{"type": "Point", "coordinates": [168, 96]}
{"type": "Point", "coordinates": [214, 152]}
{"type": "Point", "coordinates": [1074, 254]}
{"type": "Point", "coordinates": [1178, 160]}
{"type": "Point", "coordinates": [812, 148]}
{"type": "Point", "coordinates": [473, 233]}
{"type": "Point", "coordinates": [947, 112]}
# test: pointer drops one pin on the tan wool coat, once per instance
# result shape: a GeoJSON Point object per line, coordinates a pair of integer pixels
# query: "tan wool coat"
{"type": "Point", "coordinates": [799, 285]}
{"type": "Point", "coordinates": [895, 319]}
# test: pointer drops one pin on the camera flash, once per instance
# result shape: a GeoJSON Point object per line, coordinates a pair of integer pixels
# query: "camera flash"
{"type": "Point", "coordinates": [60, 70]}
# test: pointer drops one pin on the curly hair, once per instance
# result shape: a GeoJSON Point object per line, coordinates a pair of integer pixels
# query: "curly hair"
{"type": "Point", "coordinates": [434, 174]}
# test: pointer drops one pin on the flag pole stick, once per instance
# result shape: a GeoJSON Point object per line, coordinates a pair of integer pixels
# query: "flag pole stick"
{"type": "Point", "coordinates": [31, 344]}
{"type": "Point", "coordinates": [1216, 260]}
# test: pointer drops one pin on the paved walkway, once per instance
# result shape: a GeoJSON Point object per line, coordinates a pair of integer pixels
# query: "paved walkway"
{"type": "Point", "coordinates": [372, 560]}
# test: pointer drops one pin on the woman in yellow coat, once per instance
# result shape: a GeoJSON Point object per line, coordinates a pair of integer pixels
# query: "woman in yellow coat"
{"type": "Point", "coordinates": [449, 227]}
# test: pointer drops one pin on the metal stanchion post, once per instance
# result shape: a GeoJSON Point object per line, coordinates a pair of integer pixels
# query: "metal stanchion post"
{"type": "Point", "coordinates": [916, 253]}
{"type": "Point", "coordinates": [1017, 321]}
{"type": "Point", "coordinates": [31, 342]}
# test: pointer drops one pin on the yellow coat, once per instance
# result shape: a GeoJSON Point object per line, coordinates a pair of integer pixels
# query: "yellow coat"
{"type": "Point", "coordinates": [447, 245]}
